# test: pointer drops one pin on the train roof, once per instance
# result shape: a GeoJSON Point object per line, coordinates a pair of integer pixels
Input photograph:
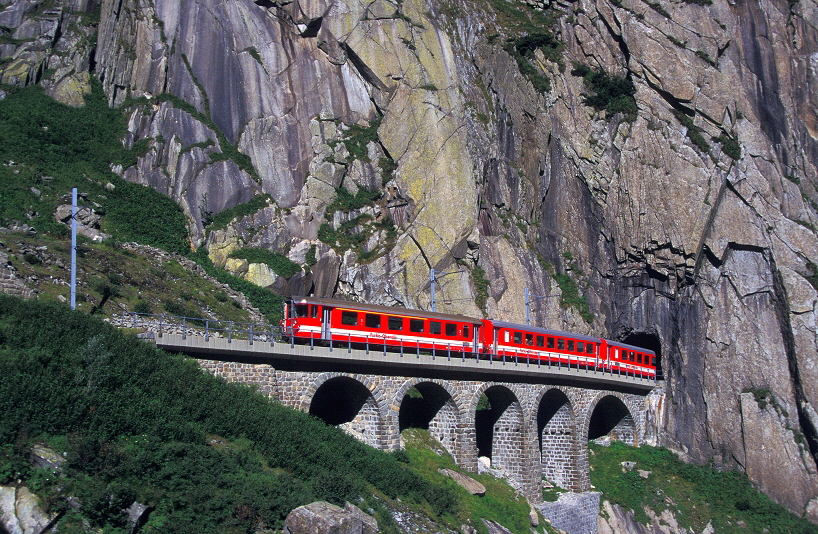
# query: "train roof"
{"type": "Point", "coordinates": [538, 330]}
{"type": "Point", "coordinates": [389, 310]}
{"type": "Point", "coordinates": [630, 347]}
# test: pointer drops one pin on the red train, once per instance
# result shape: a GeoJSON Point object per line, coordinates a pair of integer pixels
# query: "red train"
{"type": "Point", "coordinates": [329, 320]}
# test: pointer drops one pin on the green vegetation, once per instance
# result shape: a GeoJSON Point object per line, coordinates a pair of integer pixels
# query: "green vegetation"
{"type": "Point", "coordinates": [357, 137]}
{"type": "Point", "coordinates": [527, 29]}
{"type": "Point", "coordinates": [279, 263]}
{"type": "Point", "coordinates": [694, 133]}
{"type": "Point", "coordinates": [223, 218]}
{"type": "Point", "coordinates": [136, 423]}
{"type": "Point", "coordinates": [571, 297]}
{"type": "Point", "coordinates": [229, 150]}
{"type": "Point", "coordinates": [56, 147]}
{"type": "Point", "coordinates": [267, 302]}
{"type": "Point", "coordinates": [500, 502]}
{"type": "Point", "coordinates": [355, 233]}
{"type": "Point", "coordinates": [481, 287]}
{"type": "Point", "coordinates": [696, 494]}
{"type": "Point", "coordinates": [812, 277]}
{"type": "Point", "coordinates": [612, 94]}
{"type": "Point", "coordinates": [112, 278]}
{"type": "Point", "coordinates": [729, 145]}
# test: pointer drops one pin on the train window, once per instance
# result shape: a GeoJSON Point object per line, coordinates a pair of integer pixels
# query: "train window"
{"type": "Point", "coordinates": [451, 329]}
{"type": "Point", "coordinates": [589, 348]}
{"type": "Point", "coordinates": [540, 341]}
{"type": "Point", "coordinates": [434, 328]}
{"type": "Point", "coordinates": [349, 318]}
{"type": "Point", "coordinates": [301, 310]}
{"type": "Point", "coordinates": [580, 346]}
{"type": "Point", "coordinates": [373, 320]}
{"type": "Point", "coordinates": [639, 358]}
{"type": "Point", "coordinates": [631, 355]}
{"type": "Point", "coordinates": [466, 331]}
{"type": "Point", "coordinates": [314, 312]}
{"type": "Point", "coordinates": [571, 344]}
{"type": "Point", "coordinates": [518, 337]}
{"type": "Point", "coordinates": [395, 323]}
{"type": "Point", "coordinates": [529, 339]}
{"type": "Point", "coordinates": [550, 342]}
{"type": "Point", "coordinates": [416, 325]}
{"type": "Point", "coordinates": [560, 343]}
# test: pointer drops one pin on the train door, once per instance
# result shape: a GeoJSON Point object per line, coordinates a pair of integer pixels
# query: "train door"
{"type": "Point", "coordinates": [325, 324]}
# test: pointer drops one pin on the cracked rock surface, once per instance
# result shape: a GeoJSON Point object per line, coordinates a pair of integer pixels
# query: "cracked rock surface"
{"type": "Point", "coordinates": [690, 230]}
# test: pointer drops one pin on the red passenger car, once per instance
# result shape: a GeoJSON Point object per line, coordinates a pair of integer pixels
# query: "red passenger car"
{"type": "Point", "coordinates": [352, 322]}
{"type": "Point", "coordinates": [339, 321]}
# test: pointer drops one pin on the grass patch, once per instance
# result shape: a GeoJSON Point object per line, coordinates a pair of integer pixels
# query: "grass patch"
{"type": "Point", "coordinates": [356, 233]}
{"type": "Point", "coordinates": [481, 287]}
{"type": "Point", "coordinates": [696, 494]}
{"type": "Point", "coordinates": [223, 218]}
{"type": "Point", "coordinates": [729, 145]}
{"type": "Point", "coordinates": [500, 503]}
{"type": "Point", "coordinates": [571, 297]}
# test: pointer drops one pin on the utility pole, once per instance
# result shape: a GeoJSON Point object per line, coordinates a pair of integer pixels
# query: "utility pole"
{"type": "Point", "coordinates": [74, 248]}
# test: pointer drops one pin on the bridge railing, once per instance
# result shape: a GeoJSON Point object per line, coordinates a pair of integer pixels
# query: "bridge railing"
{"type": "Point", "coordinates": [196, 326]}
{"type": "Point", "coordinates": [161, 324]}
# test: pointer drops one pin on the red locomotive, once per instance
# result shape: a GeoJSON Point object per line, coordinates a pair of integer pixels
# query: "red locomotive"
{"type": "Point", "coordinates": [328, 320]}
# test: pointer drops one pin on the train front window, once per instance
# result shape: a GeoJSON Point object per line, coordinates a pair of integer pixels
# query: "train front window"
{"type": "Point", "coordinates": [349, 318]}
{"type": "Point", "coordinates": [301, 310]}
{"type": "Point", "coordinates": [314, 311]}
{"type": "Point", "coordinates": [373, 320]}
{"type": "Point", "coordinates": [434, 328]}
{"type": "Point", "coordinates": [466, 331]}
{"type": "Point", "coordinates": [395, 323]}
{"type": "Point", "coordinates": [451, 329]}
{"type": "Point", "coordinates": [518, 337]}
{"type": "Point", "coordinates": [416, 325]}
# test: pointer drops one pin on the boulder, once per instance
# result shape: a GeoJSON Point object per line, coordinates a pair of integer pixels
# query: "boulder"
{"type": "Point", "coordinates": [321, 517]}
{"type": "Point", "coordinates": [466, 482]}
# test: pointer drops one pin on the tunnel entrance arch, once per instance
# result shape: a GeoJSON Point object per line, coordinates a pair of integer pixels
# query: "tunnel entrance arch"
{"type": "Point", "coordinates": [429, 406]}
{"type": "Point", "coordinates": [650, 342]}
{"type": "Point", "coordinates": [612, 418]}
{"type": "Point", "coordinates": [556, 431]}
{"type": "Point", "coordinates": [347, 403]}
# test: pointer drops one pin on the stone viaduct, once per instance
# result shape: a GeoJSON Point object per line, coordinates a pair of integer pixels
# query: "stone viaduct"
{"type": "Point", "coordinates": [533, 423]}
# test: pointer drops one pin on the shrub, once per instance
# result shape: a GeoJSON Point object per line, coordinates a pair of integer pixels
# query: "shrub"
{"type": "Point", "coordinates": [612, 94]}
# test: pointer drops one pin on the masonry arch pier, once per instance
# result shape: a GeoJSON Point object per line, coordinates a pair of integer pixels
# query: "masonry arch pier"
{"type": "Point", "coordinates": [557, 433]}
{"type": "Point", "coordinates": [430, 405]}
{"type": "Point", "coordinates": [529, 430]}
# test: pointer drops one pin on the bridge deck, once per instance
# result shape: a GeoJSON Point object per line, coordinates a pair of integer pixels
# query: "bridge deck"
{"type": "Point", "coordinates": [352, 359]}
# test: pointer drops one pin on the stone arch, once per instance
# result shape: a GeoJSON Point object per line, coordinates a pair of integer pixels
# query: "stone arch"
{"type": "Point", "coordinates": [438, 411]}
{"type": "Point", "coordinates": [351, 402]}
{"type": "Point", "coordinates": [611, 413]}
{"type": "Point", "coordinates": [557, 436]}
{"type": "Point", "coordinates": [501, 433]}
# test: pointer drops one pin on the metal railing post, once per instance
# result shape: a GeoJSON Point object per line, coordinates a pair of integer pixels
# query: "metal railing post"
{"type": "Point", "coordinates": [418, 348]}
{"type": "Point", "coordinates": [207, 329]}
{"type": "Point", "coordinates": [229, 331]}
{"type": "Point", "coordinates": [184, 330]}
{"type": "Point", "coordinates": [367, 343]}
{"type": "Point", "coordinates": [134, 319]}
{"type": "Point", "coordinates": [251, 333]}
{"type": "Point", "coordinates": [349, 343]}
{"type": "Point", "coordinates": [161, 319]}
{"type": "Point", "coordinates": [312, 342]}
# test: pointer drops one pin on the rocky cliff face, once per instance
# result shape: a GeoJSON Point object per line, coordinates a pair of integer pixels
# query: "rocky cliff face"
{"type": "Point", "coordinates": [687, 224]}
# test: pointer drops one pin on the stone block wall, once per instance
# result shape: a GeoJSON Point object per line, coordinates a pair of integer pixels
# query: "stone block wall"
{"type": "Point", "coordinates": [539, 430]}
{"type": "Point", "coordinates": [574, 513]}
